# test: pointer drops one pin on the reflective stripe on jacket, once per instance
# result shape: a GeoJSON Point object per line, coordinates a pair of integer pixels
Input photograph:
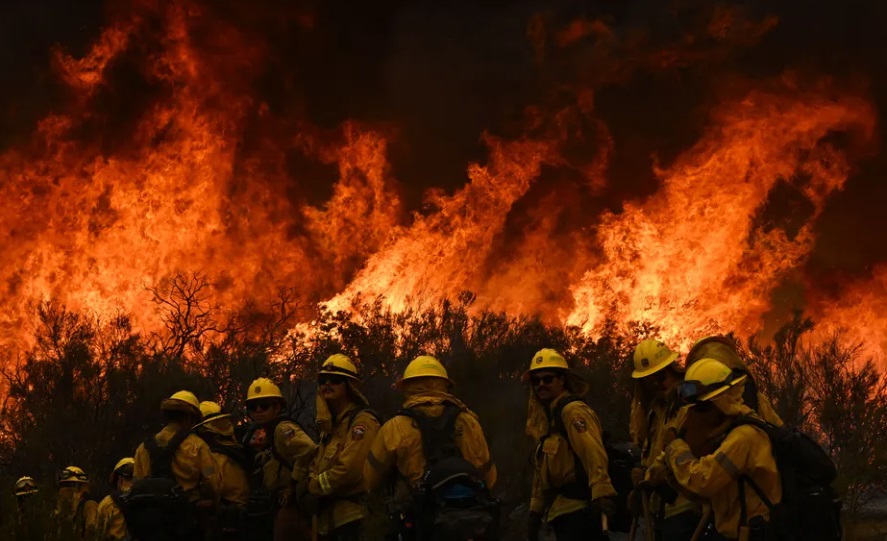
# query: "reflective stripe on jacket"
{"type": "Point", "coordinates": [337, 469]}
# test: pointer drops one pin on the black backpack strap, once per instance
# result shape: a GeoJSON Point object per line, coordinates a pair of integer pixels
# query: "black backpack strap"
{"type": "Point", "coordinates": [578, 488]}
{"type": "Point", "coordinates": [438, 433]}
{"type": "Point", "coordinates": [162, 457]}
{"type": "Point", "coordinates": [235, 452]}
{"type": "Point", "coordinates": [557, 414]}
{"type": "Point", "coordinates": [78, 513]}
{"type": "Point", "coordinates": [357, 411]}
{"type": "Point", "coordinates": [744, 479]}
{"type": "Point", "coordinates": [115, 497]}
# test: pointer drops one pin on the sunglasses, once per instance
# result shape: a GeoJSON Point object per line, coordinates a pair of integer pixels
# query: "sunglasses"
{"type": "Point", "coordinates": [658, 377]}
{"type": "Point", "coordinates": [259, 405]}
{"type": "Point", "coordinates": [331, 379]}
{"type": "Point", "coordinates": [540, 380]}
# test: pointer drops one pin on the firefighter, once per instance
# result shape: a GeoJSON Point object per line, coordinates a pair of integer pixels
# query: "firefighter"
{"type": "Point", "coordinates": [656, 412]}
{"type": "Point", "coordinates": [282, 452]}
{"type": "Point", "coordinates": [724, 349]}
{"type": "Point", "coordinates": [398, 447]}
{"type": "Point", "coordinates": [743, 452]}
{"type": "Point", "coordinates": [217, 430]}
{"type": "Point", "coordinates": [27, 519]}
{"type": "Point", "coordinates": [111, 525]}
{"type": "Point", "coordinates": [193, 466]}
{"type": "Point", "coordinates": [75, 504]}
{"type": "Point", "coordinates": [25, 489]}
{"type": "Point", "coordinates": [347, 428]}
{"type": "Point", "coordinates": [571, 487]}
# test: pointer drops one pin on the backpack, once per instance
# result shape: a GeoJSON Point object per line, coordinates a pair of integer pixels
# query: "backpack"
{"type": "Point", "coordinates": [262, 504]}
{"type": "Point", "coordinates": [236, 453]}
{"type": "Point", "coordinates": [810, 509]}
{"type": "Point", "coordinates": [620, 461]}
{"type": "Point", "coordinates": [156, 508]}
{"type": "Point", "coordinates": [270, 431]}
{"type": "Point", "coordinates": [79, 517]}
{"type": "Point", "coordinates": [451, 502]}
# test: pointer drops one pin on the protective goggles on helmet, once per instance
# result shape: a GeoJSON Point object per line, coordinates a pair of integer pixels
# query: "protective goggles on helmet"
{"type": "Point", "coordinates": [25, 487]}
{"type": "Point", "coordinates": [124, 471]}
{"type": "Point", "coordinates": [694, 392]}
{"type": "Point", "coordinates": [69, 475]}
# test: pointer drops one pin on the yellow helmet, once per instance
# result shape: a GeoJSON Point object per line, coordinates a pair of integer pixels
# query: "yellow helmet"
{"type": "Point", "coordinates": [73, 474]}
{"type": "Point", "coordinates": [207, 408]}
{"type": "Point", "coordinates": [124, 468]}
{"type": "Point", "coordinates": [650, 357]}
{"type": "Point", "coordinates": [340, 365]}
{"type": "Point", "coordinates": [708, 379]}
{"type": "Point", "coordinates": [720, 348]}
{"type": "Point", "coordinates": [263, 388]}
{"type": "Point", "coordinates": [25, 486]}
{"type": "Point", "coordinates": [547, 359]}
{"type": "Point", "coordinates": [211, 411]}
{"type": "Point", "coordinates": [184, 401]}
{"type": "Point", "coordinates": [424, 366]}
{"type": "Point", "coordinates": [128, 461]}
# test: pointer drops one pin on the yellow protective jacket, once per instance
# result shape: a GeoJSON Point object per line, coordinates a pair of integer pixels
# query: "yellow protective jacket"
{"type": "Point", "coordinates": [745, 450]}
{"type": "Point", "coordinates": [399, 442]}
{"type": "Point", "coordinates": [766, 411]}
{"type": "Point", "coordinates": [234, 488]}
{"type": "Point", "coordinates": [75, 505]}
{"type": "Point", "coordinates": [111, 525]}
{"type": "Point", "coordinates": [337, 468]}
{"type": "Point", "coordinates": [291, 443]}
{"type": "Point", "coordinates": [555, 462]}
{"type": "Point", "coordinates": [193, 465]}
{"type": "Point", "coordinates": [660, 424]}
{"type": "Point", "coordinates": [661, 417]}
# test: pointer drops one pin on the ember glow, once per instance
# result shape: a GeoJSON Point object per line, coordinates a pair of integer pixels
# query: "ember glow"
{"type": "Point", "coordinates": [110, 197]}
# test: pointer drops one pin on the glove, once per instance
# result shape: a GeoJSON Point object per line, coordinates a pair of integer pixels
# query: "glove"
{"type": "Point", "coordinates": [670, 435]}
{"type": "Point", "coordinates": [534, 525]}
{"type": "Point", "coordinates": [667, 493]}
{"type": "Point", "coordinates": [309, 504]}
{"type": "Point", "coordinates": [637, 475]}
{"type": "Point", "coordinates": [301, 488]}
{"type": "Point", "coordinates": [606, 506]}
{"type": "Point", "coordinates": [655, 476]}
{"type": "Point", "coordinates": [285, 496]}
{"type": "Point", "coordinates": [670, 478]}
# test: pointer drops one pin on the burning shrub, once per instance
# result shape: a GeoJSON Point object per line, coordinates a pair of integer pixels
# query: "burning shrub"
{"type": "Point", "coordinates": [88, 392]}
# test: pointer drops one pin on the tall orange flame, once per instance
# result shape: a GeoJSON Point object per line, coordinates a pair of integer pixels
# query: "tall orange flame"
{"type": "Point", "coordinates": [99, 206]}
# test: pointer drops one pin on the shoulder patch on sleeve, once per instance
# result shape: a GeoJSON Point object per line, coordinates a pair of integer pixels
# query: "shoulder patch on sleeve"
{"type": "Point", "coordinates": [579, 424]}
{"type": "Point", "coordinates": [358, 431]}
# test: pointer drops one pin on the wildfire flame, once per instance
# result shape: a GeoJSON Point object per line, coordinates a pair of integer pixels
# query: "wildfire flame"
{"type": "Point", "coordinates": [96, 208]}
